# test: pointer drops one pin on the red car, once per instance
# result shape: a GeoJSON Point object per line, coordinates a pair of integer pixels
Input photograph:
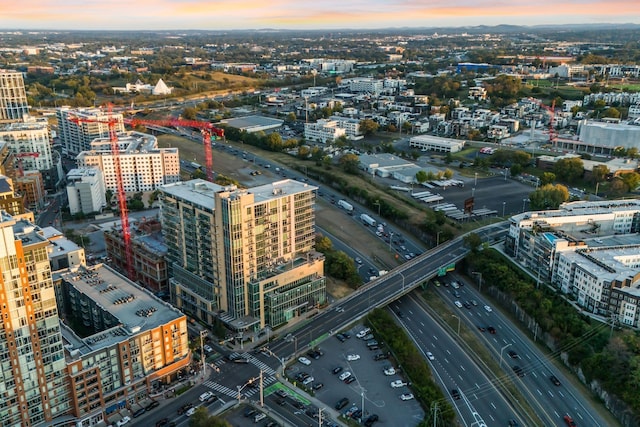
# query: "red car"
{"type": "Point", "coordinates": [569, 421]}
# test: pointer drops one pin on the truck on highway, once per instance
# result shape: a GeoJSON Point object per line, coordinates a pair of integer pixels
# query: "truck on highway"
{"type": "Point", "coordinates": [368, 220]}
{"type": "Point", "coordinates": [345, 205]}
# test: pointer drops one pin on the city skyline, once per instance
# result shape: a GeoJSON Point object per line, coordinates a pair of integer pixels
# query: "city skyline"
{"type": "Point", "coordinates": [287, 14]}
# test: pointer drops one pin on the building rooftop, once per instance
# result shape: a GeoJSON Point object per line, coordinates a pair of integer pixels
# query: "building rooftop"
{"type": "Point", "coordinates": [59, 245]}
{"type": "Point", "coordinates": [79, 173]}
{"type": "Point", "coordinates": [128, 143]}
{"type": "Point", "coordinates": [581, 207]}
{"type": "Point", "coordinates": [247, 123]}
{"type": "Point", "coordinates": [135, 308]}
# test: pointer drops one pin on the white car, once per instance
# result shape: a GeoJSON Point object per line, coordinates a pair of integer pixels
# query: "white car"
{"type": "Point", "coordinates": [398, 384]}
{"type": "Point", "coordinates": [304, 360]}
{"type": "Point", "coordinates": [390, 371]}
{"type": "Point", "coordinates": [363, 332]}
{"type": "Point", "coordinates": [430, 356]}
{"type": "Point", "coordinates": [458, 303]}
{"type": "Point", "coordinates": [352, 357]}
{"type": "Point", "coordinates": [191, 411]}
{"type": "Point", "coordinates": [204, 396]}
{"type": "Point", "coordinates": [486, 307]}
{"type": "Point", "coordinates": [308, 380]}
{"type": "Point", "coordinates": [406, 396]}
{"type": "Point", "coordinates": [123, 421]}
{"type": "Point", "coordinates": [343, 376]}
{"type": "Point", "coordinates": [208, 348]}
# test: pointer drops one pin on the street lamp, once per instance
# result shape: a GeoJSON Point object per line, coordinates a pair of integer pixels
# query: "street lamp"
{"type": "Point", "coordinates": [377, 203]}
{"type": "Point", "coordinates": [501, 350]}
{"type": "Point", "coordinates": [504, 204]}
{"type": "Point", "coordinates": [524, 202]}
{"type": "Point", "coordinates": [458, 323]}
{"type": "Point", "coordinates": [400, 273]}
{"type": "Point", "coordinates": [475, 181]}
{"type": "Point", "coordinates": [479, 280]}
{"type": "Point", "coordinates": [438, 238]}
{"type": "Point", "coordinates": [295, 343]}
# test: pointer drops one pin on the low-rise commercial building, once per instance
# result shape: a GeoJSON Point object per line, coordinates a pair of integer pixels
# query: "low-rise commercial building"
{"type": "Point", "coordinates": [436, 143]}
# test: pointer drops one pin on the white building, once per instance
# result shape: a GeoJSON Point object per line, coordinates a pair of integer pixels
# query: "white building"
{"type": "Point", "coordinates": [602, 137]}
{"type": "Point", "coordinates": [29, 141]}
{"type": "Point", "coordinates": [144, 166]}
{"type": "Point", "coordinates": [85, 188]}
{"type": "Point", "coordinates": [76, 138]}
{"type": "Point", "coordinates": [13, 96]}
{"type": "Point", "coordinates": [436, 143]}
{"type": "Point", "coordinates": [363, 84]}
{"type": "Point", "coordinates": [323, 131]}
{"type": "Point", "coordinates": [350, 125]}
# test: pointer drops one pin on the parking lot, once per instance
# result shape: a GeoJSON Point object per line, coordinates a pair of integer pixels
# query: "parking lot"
{"type": "Point", "coordinates": [369, 389]}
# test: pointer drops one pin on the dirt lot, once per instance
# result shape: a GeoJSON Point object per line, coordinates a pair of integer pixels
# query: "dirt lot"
{"type": "Point", "coordinates": [327, 216]}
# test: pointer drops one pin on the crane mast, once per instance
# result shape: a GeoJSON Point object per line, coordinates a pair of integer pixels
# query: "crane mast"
{"type": "Point", "coordinates": [122, 197]}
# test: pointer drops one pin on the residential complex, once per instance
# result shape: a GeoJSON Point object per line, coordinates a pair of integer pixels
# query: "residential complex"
{"type": "Point", "coordinates": [245, 255]}
{"type": "Point", "coordinates": [94, 123]}
{"type": "Point", "coordinates": [323, 131]}
{"type": "Point", "coordinates": [143, 166]}
{"type": "Point", "coordinates": [589, 250]}
{"type": "Point", "coordinates": [85, 190]}
{"type": "Point", "coordinates": [13, 97]}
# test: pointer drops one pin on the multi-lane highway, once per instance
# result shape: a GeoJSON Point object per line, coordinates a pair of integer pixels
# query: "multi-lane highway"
{"type": "Point", "coordinates": [549, 401]}
{"type": "Point", "coordinates": [479, 400]}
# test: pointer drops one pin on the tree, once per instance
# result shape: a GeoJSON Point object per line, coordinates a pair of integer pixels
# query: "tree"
{"type": "Point", "coordinates": [611, 112]}
{"type": "Point", "coordinates": [368, 127]}
{"type": "Point", "coordinates": [547, 178]}
{"type": "Point", "coordinates": [569, 170]}
{"type": "Point", "coordinates": [548, 196]}
{"type": "Point", "coordinates": [421, 177]}
{"type": "Point", "coordinates": [600, 173]}
{"type": "Point", "coordinates": [448, 173]}
{"type": "Point", "coordinates": [350, 163]}
{"type": "Point", "coordinates": [631, 180]}
{"type": "Point", "coordinates": [516, 170]}
{"type": "Point", "coordinates": [274, 141]}
{"type": "Point", "coordinates": [473, 241]}
{"type": "Point", "coordinates": [323, 244]}
{"type": "Point", "coordinates": [201, 418]}
{"type": "Point", "coordinates": [189, 113]}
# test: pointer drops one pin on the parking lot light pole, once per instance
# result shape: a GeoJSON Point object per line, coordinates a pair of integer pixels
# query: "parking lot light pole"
{"type": "Point", "coordinates": [501, 350]}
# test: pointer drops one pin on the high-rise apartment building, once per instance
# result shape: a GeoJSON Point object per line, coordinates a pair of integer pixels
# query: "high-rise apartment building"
{"type": "Point", "coordinates": [76, 138]}
{"type": "Point", "coordinates": [85, 190]}
{"type": "Point", "coordinates": [33, 371]}
{"type": "Point", "coordinates": [245, 256]}
{"type": "Point", "coordinates": [13, 96]}
{"type": "Point", "coordinates": [143, 166]}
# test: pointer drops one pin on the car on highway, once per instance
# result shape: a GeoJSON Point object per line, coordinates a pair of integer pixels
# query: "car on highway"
{"type": "Point", "coordinates": [467, 305]}
{"type": "Point", "coordinates": [518, 370]}
{"type": "Point", "coordinates": [398, 384]}
{"type": "Point", "coordinates": [513, 354]}
{"type": "Point", "coordinates": [554, 380]}
{"type": "Point", "coordinates": [184, 408]}
{"type": "Point", "coordinates": [491, 329]}
{"type": "Point", "coordinates": [455, 394]}
{"type": "Point", "coordinates": [304, 360]}
{"type": "Point", "coordinates": [569, 421]}
{"type": "Point", "coordinates": [513, 423]}
{"type": "Point", "coordinates": [152, 404]}
{"type": "Point", "coordinates": [430, 356]}
{"type": "Point", "coordinates": [358, 260]}
{"type": "Point", "coordinates": [458, 303]}
{"type": "Point", "coordinates": [489, 310]}
{"type": "Point", "coordinates": [353, 357]}
{"type": "Point", "coordinates": [343, 376]}
{"type": "Point", "coordinates": [283, 394]}
{"type": "Point", "coordinates": [406, 396]}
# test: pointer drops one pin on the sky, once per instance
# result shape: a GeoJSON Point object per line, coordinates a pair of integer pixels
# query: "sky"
{"type": "Point", "coordinates": [304, 14]}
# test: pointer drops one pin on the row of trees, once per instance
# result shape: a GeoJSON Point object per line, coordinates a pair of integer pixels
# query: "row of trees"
{"type": "Point", "coordinates": [585, 341]}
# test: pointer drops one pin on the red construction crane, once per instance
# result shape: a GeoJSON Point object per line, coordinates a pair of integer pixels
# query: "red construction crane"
{"type": "Point", "coordinates": [122, 197]}
{"type": "Point", "coordinates": [206, 129]}
{"type": "Point", "coordinates": [553, 136]}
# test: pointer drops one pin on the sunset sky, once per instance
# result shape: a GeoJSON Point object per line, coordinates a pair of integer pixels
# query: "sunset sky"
{"type": "Point", "coordinates": [304, 14]}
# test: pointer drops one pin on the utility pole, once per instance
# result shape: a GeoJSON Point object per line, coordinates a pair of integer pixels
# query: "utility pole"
{"type": "Point", "coordinates": [320, 416]}
{"type": "Point", "coordinates": [203, 333]}
{"type": "Point", "coordinates": [261, 390]}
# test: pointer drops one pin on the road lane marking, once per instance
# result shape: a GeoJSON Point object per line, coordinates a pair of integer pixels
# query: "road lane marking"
{"type": "Point", "coordinates": [493, 405]}
{"type": "Point", "coordinates": [448, 352]}
{"type": "Point", "coordinates": [539, 392]}
{"type": "Point", "coordinates": [462, 367]}
{"type": "Point", "coordinates": [560, 393]}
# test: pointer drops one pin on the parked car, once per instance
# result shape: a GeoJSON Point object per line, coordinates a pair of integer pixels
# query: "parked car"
{"type": "Point", "coordinates": [304, 360]}
{"type": "Point", "coordinates": [343, 376]}
{"type": "Point", "coordinates": [371, 420]}
{"type": "Point", "coordinates": [406, 396]}
{"type": "Point", "coordinates": [139, 412]}
{"type": "Point", "coordinates": [352, 357]}
{"type": "Point", "coordinates": [381, 356]}
{"type": "Point", "coordinates": [342, 403]}
{"type": "Point", "coordinates": [317, 386]}
{"type": "Point", "coordinates": [363, 332]}
{"type": "Point", "coordinates": [336, 370]}
{"type": "Point", "coordinates": [350, 380]}
{"type": "Point", "coordinates": [389, 371]}
{"type": "Point", "coordinates": [341, 337]}
{"type": "Point", "coordinates": [123, 421]}
{"type": "Point", "coordinates": [398, 384]}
